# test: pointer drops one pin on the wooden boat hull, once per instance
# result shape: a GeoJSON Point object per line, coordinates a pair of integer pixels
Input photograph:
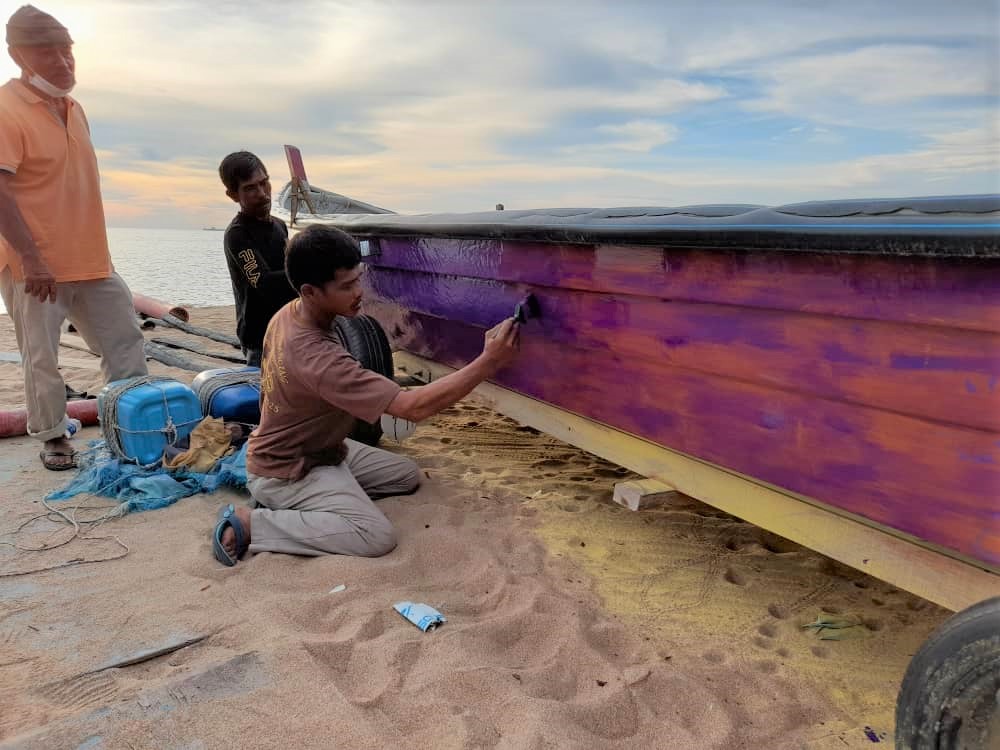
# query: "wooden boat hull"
{"type": "Point", "coordinates": [866, 379]}
{"type": "Point", "coordinates": [894, 417]}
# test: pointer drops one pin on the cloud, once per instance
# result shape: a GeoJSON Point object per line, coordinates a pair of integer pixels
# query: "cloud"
{"type": "Point", "coordinates": [947, 155]}
{"type": "Point", "coordinates": [640, 135]}
{"type": "Point", "coordinates": [450, 106]}
{"type": "Point", "coordinates": [143, 189]}
{"type": "Point", "coordinates": [637, 136]}
{"type": "Point", "coordinates": [839, 86]}
{"type": "Point", "coordinates": [826, 136]}
{"type": "Point", "coordinates": [814, 134]}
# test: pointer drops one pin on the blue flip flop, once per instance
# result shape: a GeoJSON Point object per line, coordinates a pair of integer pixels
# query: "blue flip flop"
{"type": "Point", "coordinates": [227, 517]}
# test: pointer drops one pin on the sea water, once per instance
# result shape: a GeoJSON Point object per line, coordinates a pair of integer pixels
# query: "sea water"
{"type": "Point", "coordinates": [180, 266]}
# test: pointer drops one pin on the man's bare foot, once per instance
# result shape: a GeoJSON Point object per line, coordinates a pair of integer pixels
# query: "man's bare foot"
{"type": "Point", "coordinates": [58, 454]}
{"type": "Point", "coordinates": [242, 514]}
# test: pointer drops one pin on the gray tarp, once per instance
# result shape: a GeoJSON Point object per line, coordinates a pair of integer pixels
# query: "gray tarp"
{"type": "Point", "coordinates": [962, 226]}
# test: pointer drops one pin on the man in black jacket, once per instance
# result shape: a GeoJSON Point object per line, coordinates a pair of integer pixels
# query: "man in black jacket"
{"type": "Point", "coordinates": [255, 251]}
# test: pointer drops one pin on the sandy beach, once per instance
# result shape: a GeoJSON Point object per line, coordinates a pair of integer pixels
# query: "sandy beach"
{"type": "Point", "coordinates": [572, 622]}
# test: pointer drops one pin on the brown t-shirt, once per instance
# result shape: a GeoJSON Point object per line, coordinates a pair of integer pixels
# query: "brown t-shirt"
{"type": "Point", "coordinates": [312, 389]}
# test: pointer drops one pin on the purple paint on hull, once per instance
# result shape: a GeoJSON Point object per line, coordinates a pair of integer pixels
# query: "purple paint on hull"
{"type": "Point", "coordinates": [835, 352]}
{"type": "Point", "coordinates": [772, 421]}
{"type": "Point", "coordinates": [956, 292]}
{"type": "Point", "coordinates": [987, 364]}
{"type": "Point", "coordinates": [868, 384]}
{"type": "Point", "coordinates": [979, 459]}
{"type": "Point", "coordinates": [914, 482]}
{"type": "Point", "coordinates": [852, 473]}
{"type": "Point", "coordinates": [834, 358]}
{"type": "Point", "coordinates": [838, 424]}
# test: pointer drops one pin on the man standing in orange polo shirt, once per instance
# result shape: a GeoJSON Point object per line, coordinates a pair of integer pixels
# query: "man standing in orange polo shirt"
{"type": "Point", "coordinates": [54, 259]}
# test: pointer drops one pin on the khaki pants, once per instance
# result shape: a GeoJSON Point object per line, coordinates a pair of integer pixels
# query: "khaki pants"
{"type": "Point", "coordinates": [102, 312]}
{"type": "Point", "coordinates": [330, 511]}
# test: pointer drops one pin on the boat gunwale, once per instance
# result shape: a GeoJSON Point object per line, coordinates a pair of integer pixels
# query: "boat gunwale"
{"type": "Point", "coordinates": [960, 226]}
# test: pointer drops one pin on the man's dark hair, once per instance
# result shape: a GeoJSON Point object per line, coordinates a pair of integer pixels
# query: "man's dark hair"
{"type": "Point", "coordinates": [239, 167]}
{"type": "Point", "coordinates": [316, 253]}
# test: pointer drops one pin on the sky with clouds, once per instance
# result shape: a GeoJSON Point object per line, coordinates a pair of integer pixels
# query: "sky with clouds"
{"type": "Point", "coordinates": [428, 105]}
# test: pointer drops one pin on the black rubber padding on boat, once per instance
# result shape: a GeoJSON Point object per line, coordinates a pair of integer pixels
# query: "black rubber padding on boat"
{"type": "Point", "coordinates": [364, 338]}
{"type": "Point", "coordinates": [952, 685]}
{"type": "Point", "coordinates": [959, 226]}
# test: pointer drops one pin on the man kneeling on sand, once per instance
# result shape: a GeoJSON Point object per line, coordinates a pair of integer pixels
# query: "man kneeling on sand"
{"type": "Point", "coordinates": [315, 485]}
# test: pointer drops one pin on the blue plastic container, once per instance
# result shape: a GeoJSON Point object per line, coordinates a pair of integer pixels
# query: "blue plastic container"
{"type": "Point", "coordinates": [148, 417]}
{"type": "Point", "coordinates": [223, 398]}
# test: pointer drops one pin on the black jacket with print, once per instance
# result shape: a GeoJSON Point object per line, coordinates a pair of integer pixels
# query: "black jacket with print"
{"type": "Point", "coordinates": [255, 252]}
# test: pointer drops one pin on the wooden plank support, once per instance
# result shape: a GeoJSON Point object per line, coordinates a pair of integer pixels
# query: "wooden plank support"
{"type": "Point", "coordinates": [641, 494]}
{"type": "Point", "coordinates": [930, 573]}
{"type": "Point", "coordinates": [198, 349]}
{"type": "Point", "coordinates": [222, 338]}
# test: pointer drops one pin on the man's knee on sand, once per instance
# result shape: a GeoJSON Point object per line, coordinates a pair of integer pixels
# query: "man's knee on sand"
{"type": "Point", "coordinates": [402, 479]}
{"type": "Point", "coordinates": [382, 537]}
{"type": "Point", "coordinates": [409, 477]}
{"type": "Point", "coordinates": [382, 540]}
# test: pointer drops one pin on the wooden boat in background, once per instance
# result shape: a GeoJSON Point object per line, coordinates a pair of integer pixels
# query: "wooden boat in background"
{"type": "Point", "coordinates": [843, 356]}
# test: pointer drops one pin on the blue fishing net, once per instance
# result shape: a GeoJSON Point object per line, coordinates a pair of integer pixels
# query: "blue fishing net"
{"type": "Point", "coordinates": [137, 488]}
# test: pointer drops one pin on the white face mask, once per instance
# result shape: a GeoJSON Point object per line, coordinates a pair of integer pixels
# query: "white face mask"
{"type": "Point", "coordinates": [47, 88]}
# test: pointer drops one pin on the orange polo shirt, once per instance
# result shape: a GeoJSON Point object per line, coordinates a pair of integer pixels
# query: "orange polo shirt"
{"type": "Point", "coordinates": [56, 185]}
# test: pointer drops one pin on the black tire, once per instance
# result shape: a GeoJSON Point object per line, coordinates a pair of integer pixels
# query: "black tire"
{"type": "Point", "coordinates": [950, 696]}
{"type": "Point", "coordinates": [364, 338]}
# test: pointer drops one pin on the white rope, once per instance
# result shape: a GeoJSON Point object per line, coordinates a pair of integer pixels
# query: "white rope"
{"type": "Point", "coordinates": [68, 516]}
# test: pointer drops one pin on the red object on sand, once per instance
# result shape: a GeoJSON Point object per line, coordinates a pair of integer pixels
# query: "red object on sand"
{"type": "Point", "coordinates": [14, 422]}
{"type": "Point", "coordinates": [156, 309]}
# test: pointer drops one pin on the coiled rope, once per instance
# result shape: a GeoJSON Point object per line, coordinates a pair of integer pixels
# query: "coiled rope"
{"type": "Point", "coordinates": [67, 515]}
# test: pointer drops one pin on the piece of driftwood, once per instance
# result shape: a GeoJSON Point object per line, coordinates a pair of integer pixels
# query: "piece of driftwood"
{"type": "Point", "coordinates": [141, 656]}
{"type": "Point", "coordinates": [171, 358]}
{"type": "Point", "coordinates": [170, 320]}
{"type": "Point", "coordinates": [192, 347]}
{"type": "Point", "coordinates": [152, 349]}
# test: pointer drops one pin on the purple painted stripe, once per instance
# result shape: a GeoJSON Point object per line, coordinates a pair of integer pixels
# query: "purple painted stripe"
{"type": "Point", "coordinates": [956, 292]}
{"type": "Point", "coordinates": [834, 358]}
{"type": "Point", "coordinates": [937, 363]}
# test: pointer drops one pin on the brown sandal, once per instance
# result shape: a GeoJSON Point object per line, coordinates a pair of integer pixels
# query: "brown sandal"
{"type": "Point", "coordinates": [51, 465]}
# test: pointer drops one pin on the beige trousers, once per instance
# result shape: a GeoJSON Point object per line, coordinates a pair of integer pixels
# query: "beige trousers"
{"type": "Point", "coordinates": [330, 510]}
{"type": "Point", "coordinates": [102, 312]}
